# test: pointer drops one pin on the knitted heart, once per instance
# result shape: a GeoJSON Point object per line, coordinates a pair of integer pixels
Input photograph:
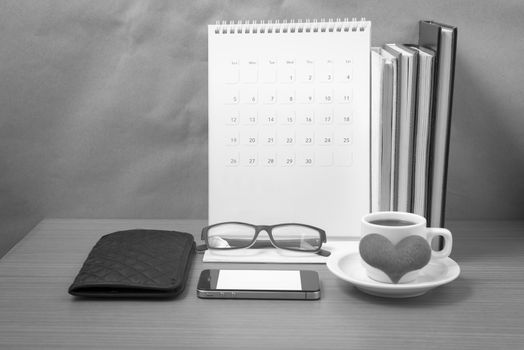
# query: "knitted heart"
{"type": "Point", "coordinates": [411, 253]}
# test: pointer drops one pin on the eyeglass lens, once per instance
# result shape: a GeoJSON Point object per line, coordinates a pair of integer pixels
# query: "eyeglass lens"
{"type": "Point", "coordinates": [227, 236]}
{"type": "Point", "coordinates": [296, 237]}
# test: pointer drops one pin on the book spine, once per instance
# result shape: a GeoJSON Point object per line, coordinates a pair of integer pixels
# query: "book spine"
{"type": "Point", "coordinates": [386, 134]}
{"type": "Point", "coordinates": [437, 208]}
{"type": "Point", "coordinates": [442, 39]}
{"type": "Point", "coordinates": [422, 136]}
{"type": "Point", "coordinates": [377, 97]}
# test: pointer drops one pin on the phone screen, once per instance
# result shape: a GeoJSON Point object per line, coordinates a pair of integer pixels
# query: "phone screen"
{"type": "Point", "coordinates": [258, 280]}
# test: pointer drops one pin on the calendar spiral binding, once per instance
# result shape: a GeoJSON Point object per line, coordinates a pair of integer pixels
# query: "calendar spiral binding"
{"type": "Point", "coordinates": [292, 26]}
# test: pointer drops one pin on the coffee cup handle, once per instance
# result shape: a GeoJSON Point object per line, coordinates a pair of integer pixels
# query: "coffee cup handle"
{"type": "Point", "coordinates": [448, 241]}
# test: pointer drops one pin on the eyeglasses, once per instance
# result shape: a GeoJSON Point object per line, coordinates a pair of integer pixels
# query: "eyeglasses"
{"type": "Point", "coordinates": [239, 235]}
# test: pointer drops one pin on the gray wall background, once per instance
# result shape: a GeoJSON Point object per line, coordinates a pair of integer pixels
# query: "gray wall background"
{"type": "Point", "coordinates": [103, 104]}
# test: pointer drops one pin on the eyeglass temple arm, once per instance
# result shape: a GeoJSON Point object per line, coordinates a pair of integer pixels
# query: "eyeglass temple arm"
{"type": "Point", "coordinates": [323, 252]}
{"type": "Point", "coordinates": [201, 248]}
{"type": "Point", "coordinates": [203, 234]}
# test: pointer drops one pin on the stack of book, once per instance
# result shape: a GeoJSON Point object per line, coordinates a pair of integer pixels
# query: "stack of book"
{"type": "Point", "coordinates": [412, 92]}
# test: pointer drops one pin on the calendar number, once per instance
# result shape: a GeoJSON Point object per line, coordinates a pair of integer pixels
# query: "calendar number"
{"type": "Point", "coordinates": [326, 95]}
{"type": "Point", "coordinates": [232, 118]}
{"type": "Point", "coordinates": [232, 159]}
{"type": "Point", "coordinates": [344, 71]}
{"type": "Point", "coordinates": [344, 96]}
{"type": "Point", "coordinates": [269, 160]}
{"type": "Point", "coordinates": [287, 159]}
{"type": "Point", "coordinates": [342, 114]}
{"type": "Point", "coordinates": [307, 118]}
{"type": "Point", "coordinates": [326, 139]}
{"type": "Point", "coordinates": [232, 140]}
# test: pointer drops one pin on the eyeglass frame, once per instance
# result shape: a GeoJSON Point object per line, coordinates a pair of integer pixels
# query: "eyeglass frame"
{"type": "Point", "coordinates": [267, 228]}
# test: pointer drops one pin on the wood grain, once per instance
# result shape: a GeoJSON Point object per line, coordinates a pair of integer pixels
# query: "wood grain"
{"type": "Point", "coordinates": [483, 309]}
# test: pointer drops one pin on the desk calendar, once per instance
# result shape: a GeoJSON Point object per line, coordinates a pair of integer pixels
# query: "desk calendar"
{"type": "Point", "coordinates": [289, 123]}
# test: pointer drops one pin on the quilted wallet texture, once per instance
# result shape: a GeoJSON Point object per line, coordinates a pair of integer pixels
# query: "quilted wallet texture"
{"type": "Point", "coordinates": [136, 263]}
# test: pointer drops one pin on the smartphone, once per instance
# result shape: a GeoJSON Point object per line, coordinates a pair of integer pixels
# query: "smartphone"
{"type": "Point", "coordinates": [259, 284]}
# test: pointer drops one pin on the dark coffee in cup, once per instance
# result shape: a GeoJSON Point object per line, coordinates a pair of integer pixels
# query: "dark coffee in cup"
{"type": "Point", "coordinates": [392, 222]}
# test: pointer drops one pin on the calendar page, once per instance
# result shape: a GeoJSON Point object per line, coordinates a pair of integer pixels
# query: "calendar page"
{"type": "Point", "coordinates": [289, 124]}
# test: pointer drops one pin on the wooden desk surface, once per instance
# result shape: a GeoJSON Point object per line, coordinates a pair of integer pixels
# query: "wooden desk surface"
{"type": "Point", "coordinates": [483, 309]}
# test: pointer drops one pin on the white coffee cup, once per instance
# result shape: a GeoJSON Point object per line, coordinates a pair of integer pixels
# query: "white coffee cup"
{"type": "Point", "coordinates": [395, 226]}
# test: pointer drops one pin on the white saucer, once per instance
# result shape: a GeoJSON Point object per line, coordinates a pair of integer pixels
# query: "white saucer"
{"type": "Point", "coordinates": [348, 267]}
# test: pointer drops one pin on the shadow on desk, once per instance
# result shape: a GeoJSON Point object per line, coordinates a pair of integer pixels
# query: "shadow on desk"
{"type": "Point", "coordinates": [453, 293]}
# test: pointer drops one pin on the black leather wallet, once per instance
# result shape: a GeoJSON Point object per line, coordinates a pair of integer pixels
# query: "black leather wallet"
{"type": "Point", "coordinates": [136, 263]}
